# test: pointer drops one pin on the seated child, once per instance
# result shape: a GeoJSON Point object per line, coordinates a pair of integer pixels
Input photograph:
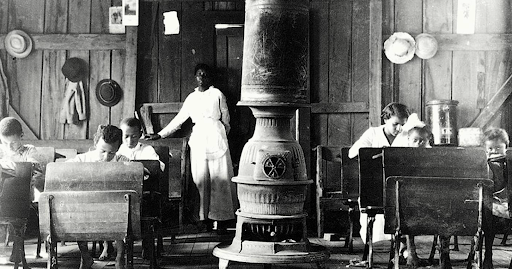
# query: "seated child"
{"type": "Point", "coordinates": [418, 136]}
{"type": "Point", "coordinates": [13, 150]}
{"type": "Point", "coordinates": [495, 142]}
{"type": "Point", "coordinates": [107, 141]}
{"type": "Point", "coordinates": [131, 147]}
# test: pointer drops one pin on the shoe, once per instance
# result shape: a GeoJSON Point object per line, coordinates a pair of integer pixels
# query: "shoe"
{"type": "Point", "coordinates": [358, 263]}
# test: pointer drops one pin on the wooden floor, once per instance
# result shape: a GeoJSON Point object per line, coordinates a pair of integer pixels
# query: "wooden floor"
{"type": "Point", "coordinates": [195, 251]}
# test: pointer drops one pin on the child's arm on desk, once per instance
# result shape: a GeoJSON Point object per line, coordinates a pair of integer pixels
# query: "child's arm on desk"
{"type": "Point", "coordinates": [8, 168]}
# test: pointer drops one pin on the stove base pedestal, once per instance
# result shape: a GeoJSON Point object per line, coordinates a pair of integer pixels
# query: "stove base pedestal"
{"type": "Point", "coordinates": [247, 250]}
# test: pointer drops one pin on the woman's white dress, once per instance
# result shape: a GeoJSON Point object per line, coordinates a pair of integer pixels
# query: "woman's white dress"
{"type": "Point", "coordinates": [210, 158]}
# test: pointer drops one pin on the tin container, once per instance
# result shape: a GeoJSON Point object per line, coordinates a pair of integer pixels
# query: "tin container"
{"type": "Point", "coordinates": [442, 119]}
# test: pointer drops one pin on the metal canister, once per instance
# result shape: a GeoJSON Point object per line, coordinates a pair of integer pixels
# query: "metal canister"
{"type": "Point", "coordinates": [276, 53]}
{"type": "Point", "coordinates": [442, 119]}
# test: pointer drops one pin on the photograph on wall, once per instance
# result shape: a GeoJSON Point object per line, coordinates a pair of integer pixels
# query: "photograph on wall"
{"type": "Point", "coordinates": [115, 22]}
{"type": "Point", "coordinates": [130, 12]}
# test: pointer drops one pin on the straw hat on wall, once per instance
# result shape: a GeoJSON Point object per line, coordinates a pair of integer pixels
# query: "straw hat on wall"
{"type": "Point", "coordinates": [399, 47]}
{"type": "Point", "coordinates": [426, 46]}
{"type": "Point", "coordinates": [18, 43]}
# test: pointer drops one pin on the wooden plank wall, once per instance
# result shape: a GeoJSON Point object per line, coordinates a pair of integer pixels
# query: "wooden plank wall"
{"type": "Point", "coordinates": [470, 74]}
{"type": "Point", "coordinates": [36, 83]}
{"type": "Point", "coordinates": [339, 70]}
{"type": "Point", "coordinates": [166, 62]}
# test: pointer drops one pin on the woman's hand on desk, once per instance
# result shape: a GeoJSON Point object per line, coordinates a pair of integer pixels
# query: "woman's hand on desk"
{"type": "Point", "coordinates": [152, 137]}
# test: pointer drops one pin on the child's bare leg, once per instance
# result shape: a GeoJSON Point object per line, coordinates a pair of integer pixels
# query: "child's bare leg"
{"type": "Point", "coordinates": [412, 257]}
{"type": "Point", "coordinates": [107, 248]}
{"type": "Point", "coordinates": [120, 254]}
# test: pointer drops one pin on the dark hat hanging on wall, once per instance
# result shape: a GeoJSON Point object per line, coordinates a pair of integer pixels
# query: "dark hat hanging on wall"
{"type": "Point", "coordinates": [108, 92]}
{"type": "Point", "coordinates": [18, 43]}
{"type": "Point", "coordinates": [74, 69]}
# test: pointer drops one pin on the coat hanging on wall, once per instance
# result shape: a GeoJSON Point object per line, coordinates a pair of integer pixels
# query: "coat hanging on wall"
{"type": "Point", "coordinates": [73, 107]}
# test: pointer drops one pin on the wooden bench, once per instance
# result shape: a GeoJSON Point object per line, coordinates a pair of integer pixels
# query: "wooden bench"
{"type": "Point", "coordinates": [91, 201]}
{"type": "Point", "coordinates": [172, 151]}
{"type": "Point", "coordinates": [151, 211]}
{"type": "Point", "coordinates": [15, 206]}
{"type": "Point", "coordinates": [447, 164]}
{"type": "Point", "coordinates": [337, 186]}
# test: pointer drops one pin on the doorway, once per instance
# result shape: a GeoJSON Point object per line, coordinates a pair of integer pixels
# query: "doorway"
{"type": "Point", "coordinates": [229, 56]}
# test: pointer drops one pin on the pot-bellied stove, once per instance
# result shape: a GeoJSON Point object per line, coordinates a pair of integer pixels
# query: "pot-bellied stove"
{"type": "Point", "coordinates": [272, 182]}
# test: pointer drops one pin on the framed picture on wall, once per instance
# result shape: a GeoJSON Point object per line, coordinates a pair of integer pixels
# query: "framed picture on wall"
{"type": "Point", "coordinates": [130, 12]}
{"type": "Point", "coordinates": [115, 20]}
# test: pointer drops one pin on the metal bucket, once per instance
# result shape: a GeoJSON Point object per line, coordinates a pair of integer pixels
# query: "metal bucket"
{"type": "Point", "coordinates": [276, 40]}
{"type": "Point", "coordinates": [442, 119]}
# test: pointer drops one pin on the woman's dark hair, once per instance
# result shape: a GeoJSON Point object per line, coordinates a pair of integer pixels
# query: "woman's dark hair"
{"type": "Point", "coordinates": [395, 109]}
{"type": "Point", "coordinates": [203, 66]}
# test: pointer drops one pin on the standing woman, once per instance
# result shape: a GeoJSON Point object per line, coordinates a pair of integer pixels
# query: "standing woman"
{"type": "Point", "coordinates": [210, 158]}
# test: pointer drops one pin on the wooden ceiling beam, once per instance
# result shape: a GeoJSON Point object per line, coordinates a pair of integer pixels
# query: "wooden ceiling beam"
{"type": "Point", "coordinates": [75, 41]}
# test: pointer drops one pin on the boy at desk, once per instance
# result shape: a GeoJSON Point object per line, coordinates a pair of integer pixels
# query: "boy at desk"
{"type": "Point", "coordinates": [495, 142]}
{"type": "Point", "coordinates": [107, 140]}
{"type": "Point", "coordinates": [133, 149]}
{"type": "Point", "coordinates": [13, 150]}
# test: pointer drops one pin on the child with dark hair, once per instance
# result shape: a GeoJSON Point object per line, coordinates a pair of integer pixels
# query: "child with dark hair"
{"type": "Point", "coordinates": [132, 148]}
{"type": "Point", "coordinates": [12, 151]}
{"type": "Point", "coordinates": [389, 134]}
{"type": "Point", "coordinates": [107, 140]}
{"type": "Point", "coordinates": [495, 142]}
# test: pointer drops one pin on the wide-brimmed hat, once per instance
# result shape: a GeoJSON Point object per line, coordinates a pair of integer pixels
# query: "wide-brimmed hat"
{"type": "Point", "coordinates": [108, 92]}
{"type": "Point", "coordinates": [426, 46]}
{"type": "Point", "coordinates": [74, 69]}
{"type": "Point", "coordinates": [18, 43]}
{"type": "Point", "coordinates": [399, 47]}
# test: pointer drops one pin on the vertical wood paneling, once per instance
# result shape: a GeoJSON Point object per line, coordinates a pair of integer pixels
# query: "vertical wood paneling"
{"type": "Point", "coordinates": [360, 66]}
{"type": "Point", "coordinates": [4, 18]}
{"type": "Point", "coordinates": [192, 45]}
{"type": "Point", "coordinates": [99, 65]}
{"type": "Point", "coordinates": [26, 75]}
{"type": "Point", "coordinates": [319, 71]}
{"type": "Point", "coordinates": [79, 22]}
{"type": "Point", "coordinates": [53, 87]}
{"type": "Point", "coordinates": [117, 73]}
{"type": "Point", "coordinates": [469, 72]}
{"type": "Point", "coordinates": [130, 73]}
{"type": "Point", "coordinates": [149, 48]}
{"type": "Point", "coordinates": [437, 81]}
{"type": "Point", "coordinates": [340, 33]}
{"type": "Point", "coordinates": [388, 68]}
{"type": "Point", "coordinates": [407, 19]}
{"type": "Point", "coordinates": [498, 62]}
{"type": "Point", "coordinates": [170, 63]}
{"type": "Point", "coordinates": [170, 59]}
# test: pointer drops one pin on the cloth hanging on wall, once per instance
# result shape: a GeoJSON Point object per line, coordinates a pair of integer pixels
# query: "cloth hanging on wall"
{"type": "Point", "coordinates": [73, 104]}
{"type": "Point", "coordinates": [4, 93]}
